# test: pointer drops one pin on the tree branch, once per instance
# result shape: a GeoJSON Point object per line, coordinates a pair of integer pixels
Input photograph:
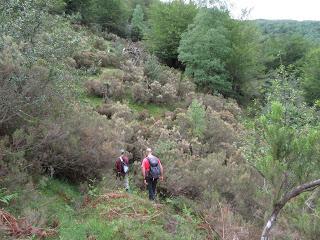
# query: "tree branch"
{"type": "Point", "coordinates": [310, 186]}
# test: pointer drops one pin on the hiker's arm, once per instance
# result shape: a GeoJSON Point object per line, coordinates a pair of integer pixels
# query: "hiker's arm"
{"type": "Point", "coordinates": [143, 170]}
{"type": "Point", "coordinates": [161, 171]}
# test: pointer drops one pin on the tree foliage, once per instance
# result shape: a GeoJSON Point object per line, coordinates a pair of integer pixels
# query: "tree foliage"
{"type": "Point", "coordinates": [285, 49]}
{"type": "Point", "coordinates": [221, 54]}
{"type": "Point", "coordinates": [288, 133]}
{"type": "Point", "coordinates": [110, 15]}
{"type": "Point", "coordinates": [285, 150]}
{"type": "Point", "coordinates": [245, 65]}
{"type": "Point", "coordinates": [311, 76]}
{"type": "Point", "coordinates": [307, 29]}
{"type": "Point", "coordinates": [137, 23]}
{"type": "Point", "coordinates": [205, 48]}
{"type": "Point", "coordinates": [167, 21]}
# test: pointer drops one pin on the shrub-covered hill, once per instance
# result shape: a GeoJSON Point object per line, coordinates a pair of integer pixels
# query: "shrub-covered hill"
{"type": "Point", "coordinates": [71, 97]}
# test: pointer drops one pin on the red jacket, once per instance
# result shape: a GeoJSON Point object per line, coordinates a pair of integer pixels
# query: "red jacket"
{"type": "Point", "coordinates": [118, 165]}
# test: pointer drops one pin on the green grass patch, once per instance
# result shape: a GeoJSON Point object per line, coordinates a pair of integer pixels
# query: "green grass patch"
{"type": "Point", "coordinates": [93, 101]}
{"type": "Point", "coordinates": [153, 109]}
{"type": "Point", "coordinates": [110, 71]}
{"type": "Point", "coordinates": [133, 217]}
{"type": "Point", "coordinates": [112, 215]}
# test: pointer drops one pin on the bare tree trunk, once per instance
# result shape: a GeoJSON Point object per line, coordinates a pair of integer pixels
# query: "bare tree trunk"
{"type": "Point", "coordinates": [310, 186]}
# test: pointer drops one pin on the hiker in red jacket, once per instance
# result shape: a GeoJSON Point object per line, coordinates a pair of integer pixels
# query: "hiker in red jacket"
{"type": "Point", "coordinates": [152, 170]}
{"type": "Point", "coordinates": [122, 169]}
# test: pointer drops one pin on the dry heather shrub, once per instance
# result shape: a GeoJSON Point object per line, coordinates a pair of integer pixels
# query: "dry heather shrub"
{"type": "Point", "coordinates": [132, 73]}
{"type": "Point", "coordinates": [233, 107]}
{"type": "Point", "coordinates": [112, 73]}
{"type": "Point", "coordinates": [183, 123]}
{"type": "Point", "coordinates": [99, 43]}
{"type": "Point", "coordinates": [102, 59]}
{"type": "Point", "coordinates": [220, 104]}
{"type": "Point", "coordinates": [229, 224]}
{"type": "Point", "coordinates": [77, 148]}
{"type": "Point", "coordinates": [144, 114]}
{"type": "Point", "coordinates": [117, 89]}
{"type": "Point", "coordinates": [140, 93]}
{"type": "Point", "coordinates": [123, 111]}
{"type": "Point", "coordinates": [96, 88]}
{"type": "Point", "coordinates": [184, 86]}
{"type": "Point", "coordinates": [106, 110]}
{"type": "Point", "coordinates": [108, 59]}
{"type": "Point", "coordinates": [111, 36]}
{"type": "Point", "coordinates": [156, 92]}
{"type": "Point", "coordinates": [114, 84]}
{"type": "Point", "coordinates": [218, 132]}
{"type": "Point", "coordinates": [70, 62]}
{"type": "Point", "coordinates": [106, 87]}
{"type": "Point", "coordinates": [85, 59]}
{"type": "Point", "coordinates": [169, 93]}
{"type": "Point", "coordinates": [116, 111]}
{"type": "Point", "coordinates": [134, 135]}
{"type": "Point", "coordinates": [88, 59]}
{"type": "Point", "coordinates": [208, 180]}
{"type": "Point", "coordinates": [215, 102]}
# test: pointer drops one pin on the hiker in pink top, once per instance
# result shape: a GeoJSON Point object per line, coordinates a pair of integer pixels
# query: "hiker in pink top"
{"type": "Point", "coordinates": [152, 170]}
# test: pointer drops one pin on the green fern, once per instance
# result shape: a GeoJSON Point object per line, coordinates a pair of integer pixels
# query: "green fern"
{"type": "Point", "coordinates": [5, 197]}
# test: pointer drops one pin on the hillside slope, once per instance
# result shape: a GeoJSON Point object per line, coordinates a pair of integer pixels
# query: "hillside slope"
{"type": "Point", "coordinates": [62, 212]}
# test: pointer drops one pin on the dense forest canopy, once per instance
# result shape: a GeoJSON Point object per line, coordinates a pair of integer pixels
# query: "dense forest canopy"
{"type": "Point", "coordinates": [230, 106]}
{"type": "Point", "coordinates": [309, 29]}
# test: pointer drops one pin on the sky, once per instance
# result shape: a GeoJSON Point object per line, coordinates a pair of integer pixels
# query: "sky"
{"type": "Point", "coordinates": [278, 9]}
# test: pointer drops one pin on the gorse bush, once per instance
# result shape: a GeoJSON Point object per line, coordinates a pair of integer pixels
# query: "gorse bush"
{"type": "Point", "coordinates": [72, 149]}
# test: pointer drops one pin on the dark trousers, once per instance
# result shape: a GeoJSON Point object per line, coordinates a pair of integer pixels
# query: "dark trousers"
{"type": "Point", "coordinates": [152, 185]}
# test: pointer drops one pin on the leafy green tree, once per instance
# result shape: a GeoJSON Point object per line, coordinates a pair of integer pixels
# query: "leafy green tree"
{"type": "Point", "coordinates": [285, 49]}
{"type": "Point", "coordinates": [311, 76]}
{"type": "Point", "coordinates": [145, 5]}
{"type": "Point", "coordinates": [167, 21]}
{"type": "Point", "coordinates": [222, 54]}
{"type": "Point", "coordinates": [137, 23]}
{"type": "Point", "coordinates": [245, 64]}
{"type": "Point", "coordinates": [205, 48]}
